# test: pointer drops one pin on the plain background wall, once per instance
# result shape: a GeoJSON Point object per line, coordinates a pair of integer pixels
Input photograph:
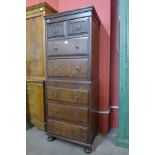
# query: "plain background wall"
{"type": "Point", "coordinates": [103, 8]}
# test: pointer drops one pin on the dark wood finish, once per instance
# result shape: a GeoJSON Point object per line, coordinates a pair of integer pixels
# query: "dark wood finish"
{"type": "Point", "coordinates": [35, 62]}
{"type": "Point", "coordinates": [70, 113]}
{"type": "Point", "coordinates": [77, 26]}
{"type": "Point", "coordinates": [56, 30]}
{"type": "Point", "coordinates": [75, 96]}
{"type": "Point", "coordinates": [73, 46]}
{"type": "Point", "coordinates": [67, 130]}
{"type": "Point", "coordinates": [73, 76]}
{"type": "Point", "coordinates": [68, 68]}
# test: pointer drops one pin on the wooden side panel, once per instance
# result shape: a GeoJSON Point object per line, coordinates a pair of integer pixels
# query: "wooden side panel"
{"type": "Point", "coordinates": [34, 48]}
{"type": "Point", "coordinates": [94, 91]}
{"type": "Point", "coordinates": [95, 51]}
{"type": "Point", "coordinates": [35, 104]}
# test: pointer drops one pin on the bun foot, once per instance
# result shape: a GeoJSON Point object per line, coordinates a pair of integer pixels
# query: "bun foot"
{"type": "Point", "coordinates": [87, 149]}
{"type": "Point", "coordinates": [50, 138]}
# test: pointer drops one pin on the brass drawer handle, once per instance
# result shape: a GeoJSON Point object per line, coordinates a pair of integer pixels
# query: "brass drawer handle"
{"type": "Point", "coordinates": [55, 94]}
{"type": "Point", "coordinates": [77, 68]}
{"type": "Point", "coordinates": [76, 98]}
{"type": "Point", "coordinates": [75, 71]}
{"type": "Point", "coordinates": [55, 110]}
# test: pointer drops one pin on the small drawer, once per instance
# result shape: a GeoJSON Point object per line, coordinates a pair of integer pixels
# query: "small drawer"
{"type": "Point", "coordinates": [68, 113]}
{"type": "Point", "coordinates": [74, 46]}
{"type": "Point", "coordinates": [67, 130]}
{"type": "Point", "coordinates": [68, 68]}
{"type": "Point", "coordinates": [78, 26]}
{"type": "Point", "coordinates": [74, 96]}
{"type": "Point", "coordinates": [56, 30]}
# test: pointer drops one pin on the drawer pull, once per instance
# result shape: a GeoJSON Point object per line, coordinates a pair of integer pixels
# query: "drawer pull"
{"type": "Point", "coordinates": [77, 47]}
{"type": "Point", "coordinates": [76, 98]}
{"type": "Point", "coordinates": [55, 110]}
{"type": "Point", "coordinates": [77, 68]}
{"type": "Point", "coordinates": [56, 48]}
{"type": "Point", "coordinates": [77, 27]}
{"type": "Point", "coordinates": [55, 94]}
{"type": "Point", "coordinates": [56, 129]}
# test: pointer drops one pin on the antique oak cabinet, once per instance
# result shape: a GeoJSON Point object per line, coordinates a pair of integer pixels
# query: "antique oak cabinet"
{"type": "Point", "coordinates": [72, 51]}
{"type": "Point", "coordinates": [35, 62]}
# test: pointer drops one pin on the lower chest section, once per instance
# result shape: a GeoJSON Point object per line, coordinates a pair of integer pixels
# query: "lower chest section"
{"type": "Point", "coordinates": [67, 106]}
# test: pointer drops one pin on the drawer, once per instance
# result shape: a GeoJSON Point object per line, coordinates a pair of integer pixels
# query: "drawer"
{"type": "Point", "coordinates": [68, 68]}
{"type": "Point", "coordinates": [69, 113]}
{"type": "Point", "coordinates": [74, 96]}
{"type": "Point", "coordinates": [56, 30]}
{"type": "Point", "coordinates": [67, 130]}
{"type": "Point", "coordinates": [78, 26]}
{"type": "Point", "coordinates": [72, 46]}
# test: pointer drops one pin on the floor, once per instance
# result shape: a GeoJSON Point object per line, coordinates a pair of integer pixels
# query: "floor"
{"type": "Point", "coordinates": [37, 144]}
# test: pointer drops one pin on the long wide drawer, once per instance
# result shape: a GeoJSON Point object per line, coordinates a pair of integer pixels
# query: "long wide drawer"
{"type": "Point", "coordinates": [69, 113]}
{"type": "Point", "coordinates": [74, 46]}
{"type": "Point", "coordinates": [75, 96]}
{"type": "Point", "coordinates": [67, 130]}
{"type": "Point", "coordinates": [68, 68]}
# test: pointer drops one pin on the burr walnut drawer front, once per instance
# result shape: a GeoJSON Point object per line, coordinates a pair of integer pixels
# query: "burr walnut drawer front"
{"type": "Point", "coordinates": [68, 68]}
{"type": "Point", "coordinates": [74, 46]}
{"type": "Point", "coordinates": [67, 130]}
{"type": "Point", "coordinates": [68, 113]}
{"type": "Point", "coordinates": [74, 96]}
{"type": "Point", "coordinates": [77, 26]}
{"type": "Point", "coordinates": [56, 30]}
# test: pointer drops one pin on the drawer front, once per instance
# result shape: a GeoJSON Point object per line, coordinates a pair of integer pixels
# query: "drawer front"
{"type": "Point", "coordinates": [74, 96]}
{"type": "Point", "coordinates": [68, 68]}
{"type": "Point", "coordinates": [69, 113]}
{"type": "Point", "coordinates": [67, 130]}
{"type": "Point", "coordinates": [56, 30]}
{"type": "Point", "coordinates": [78, 26]}
{"type": "Point", "coordinates": [73, 46]}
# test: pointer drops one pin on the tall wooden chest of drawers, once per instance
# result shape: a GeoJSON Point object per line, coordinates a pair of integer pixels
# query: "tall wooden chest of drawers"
{"type": "Point", "coordinates": [72, 59]}
{"type": "Point", "coordinates": [35, 62]}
